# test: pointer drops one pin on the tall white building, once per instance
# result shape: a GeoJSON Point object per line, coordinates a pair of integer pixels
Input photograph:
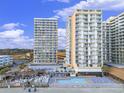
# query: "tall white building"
{"type": "Point", "coordinates": [106, 42]}
{"type": "Point", "coordinates": [46, 40]}
{"type": "Point", "coordinates": [84, 48]}
{"type": "Point", "coordinates": [115, 39]}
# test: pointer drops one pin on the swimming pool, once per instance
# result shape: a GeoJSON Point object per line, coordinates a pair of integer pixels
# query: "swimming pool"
{"type": "Point", "coordinates": [72, 80]}
{"type": "Point", "coordinates": [84, 82]}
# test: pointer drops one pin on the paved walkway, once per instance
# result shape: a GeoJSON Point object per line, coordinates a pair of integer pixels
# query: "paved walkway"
{"type": "Point", "coordinates": [65, 90]}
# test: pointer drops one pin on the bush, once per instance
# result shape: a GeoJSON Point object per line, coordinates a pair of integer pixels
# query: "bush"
{"type": "Point", "coordinates": [105, 68]}
{"type": "Point", "coordinates": [4, 70]}
{"type": "Point", "coordinates": [22, 66]}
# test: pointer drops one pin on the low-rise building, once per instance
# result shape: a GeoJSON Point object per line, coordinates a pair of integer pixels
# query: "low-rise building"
{"type": "Point", "coordinates": [5, 60]}
{"type": "Point", "coordinates": [61, 55]}
{"type": "Point", "coordinates": [45, 67]}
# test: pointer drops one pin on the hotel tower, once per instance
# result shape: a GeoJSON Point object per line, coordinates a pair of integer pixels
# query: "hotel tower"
{"type": "Point", "coordinates": [84, 51]}
{"type": "Point", "coordinates": [115, 39]}
{"type": "Point", "coordinates": [46, 40]}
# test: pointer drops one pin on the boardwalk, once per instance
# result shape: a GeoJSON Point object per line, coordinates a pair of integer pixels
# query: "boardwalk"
{"type": "Point", "coordinates": [65, 90]}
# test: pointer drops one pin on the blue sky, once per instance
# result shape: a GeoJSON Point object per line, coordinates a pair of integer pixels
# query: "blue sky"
{"type": "Point", "coordinates": [16, 17]}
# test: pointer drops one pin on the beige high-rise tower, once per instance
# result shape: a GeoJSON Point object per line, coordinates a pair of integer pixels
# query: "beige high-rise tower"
{"type": "Point", "coordinates": [84, 51]}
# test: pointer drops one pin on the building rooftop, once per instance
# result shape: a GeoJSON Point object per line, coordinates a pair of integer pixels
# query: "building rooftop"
{"type": "Point", "coordinates": [4, 55]}
{"type": "Point", "coordinates": [47, 18]}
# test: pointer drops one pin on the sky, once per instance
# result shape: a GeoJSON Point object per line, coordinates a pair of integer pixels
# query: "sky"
{"type": "Point", "coordinates": [16, 18]}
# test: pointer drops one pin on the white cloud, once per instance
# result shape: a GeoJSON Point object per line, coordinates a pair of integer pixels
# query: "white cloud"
{"type": "Point", "coordinates": [11, 26]}
{"type": "Point", "coordinates": [91, 4]}
{"type": "Point", "coordinates": [61, 38]}
{"type": "Point", "coordinates": [12, 34]}
{"type": "Point", "coordinates": [13, 37]}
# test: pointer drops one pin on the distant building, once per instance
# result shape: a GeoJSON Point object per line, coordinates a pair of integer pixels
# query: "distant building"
{"type": "Point", "coordinates": [46, 40]}
{"type": "Point", "coordinates": [5, 60]}
{"type": "Point", "coordinates": [45, 67]}
{"type": "Point", "coordinates": [84, 48]}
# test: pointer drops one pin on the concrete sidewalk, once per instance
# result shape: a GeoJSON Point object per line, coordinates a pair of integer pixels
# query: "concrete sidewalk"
{"type": "Point", "coordinates": [65, 90]}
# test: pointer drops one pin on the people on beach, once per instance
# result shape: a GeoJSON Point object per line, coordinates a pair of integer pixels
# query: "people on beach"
{"type": "Point", "coordinates": [30, 88]}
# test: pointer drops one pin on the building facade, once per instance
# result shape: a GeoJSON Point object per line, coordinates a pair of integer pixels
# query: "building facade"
{"type": "Point", "coordinates": [84, 48]}
{"type": "Point", "coordinates": [46, 40]}
{"type": "Point", "coordinates": [5, 60]}
{"type": "Point", "coordinates": [106, 42]}
{"type": "Point", "coordinates": [68, 41]}
{"type": "Point", "coordinates": [115, 39]}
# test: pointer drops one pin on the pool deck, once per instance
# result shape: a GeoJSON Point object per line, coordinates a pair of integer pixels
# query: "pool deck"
{"type": "Point", "coordinates": [65, 90]}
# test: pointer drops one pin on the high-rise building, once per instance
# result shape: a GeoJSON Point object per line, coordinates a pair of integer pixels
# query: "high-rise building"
{"type": "Point", "coordinates": [106, 42]}
{"type": "Point", "coordinates": [46, 40]}
{"type": "Point", "coordinates": [115, 34]}
{"type": "Point", "coordinates": [84, 48]}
